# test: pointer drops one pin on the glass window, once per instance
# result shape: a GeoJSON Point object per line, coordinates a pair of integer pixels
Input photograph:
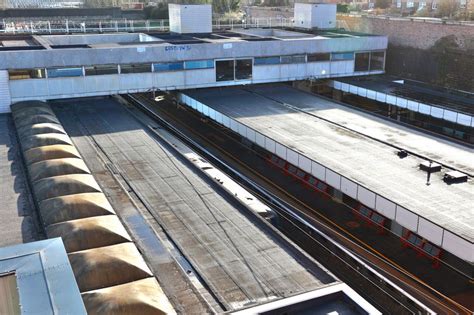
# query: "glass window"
{"type": "Point", "coordinates": [293, 59]}
{"type": "Point", "coordinates": [199, 64]}
{"type": "Point", "coordinates": [22, 74]}
{"type": "Point", "coordinates": [267, 60]}
{"type": "Point", "coordinates": [342, 56]}
{"type": "Point", "coordinates": [243, 69]}
{"type": "Point", "coordinates": [101, 69]}
{"type": "Point", "coordinates": [362, 62]}
{"type": "Point", "coordinates": [319, 57]}
{"type": "Point", "coordinates": [135, 68]}
{"type": "Point", "coordinates": [168, 66]}
{"type": "Point", "coordinates": [225, 70]}
{"type": "Point", "coordinates": [377, 60]}
{"type": "Point", "coordinates": [64, 72]}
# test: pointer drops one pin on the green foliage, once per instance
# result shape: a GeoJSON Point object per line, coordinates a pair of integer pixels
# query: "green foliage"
{"type": "Point", "coordinates": [156, 12]}
{"type": "Point", "coordinates": [382, 4]}
{"type": "Point", "coordinates": [342, 8]}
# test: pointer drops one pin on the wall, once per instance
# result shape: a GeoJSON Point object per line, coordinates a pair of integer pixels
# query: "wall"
{"type": "Point", "coordinates": [440, 54]}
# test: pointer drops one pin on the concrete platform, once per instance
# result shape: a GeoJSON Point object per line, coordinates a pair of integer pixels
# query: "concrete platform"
{"type": "Point", "coordinates": [239, 257]}
{"type": "Point", "coordinates": [17, 217]}
{"type": "Point", "coordinates": [351, 151]}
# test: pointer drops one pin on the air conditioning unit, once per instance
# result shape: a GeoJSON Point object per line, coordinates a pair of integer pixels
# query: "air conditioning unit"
{"type": "Point", "coordinates": [455, 177]}
{"type": "Point", "coordinates": [430, 166]}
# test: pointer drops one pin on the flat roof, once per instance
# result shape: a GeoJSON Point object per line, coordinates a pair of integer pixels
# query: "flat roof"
{"type": "Point", "coordinates": [18, 219]}
{"type": "Point", "coordinates": [242, 260]}
{"type": "Point", "coordinates": [357, 146]}
{"type": "Point", "coordinates": [458, 101]}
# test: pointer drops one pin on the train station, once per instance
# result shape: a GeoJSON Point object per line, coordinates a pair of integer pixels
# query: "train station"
{"type": "Point", "coordinates": [267, 170]}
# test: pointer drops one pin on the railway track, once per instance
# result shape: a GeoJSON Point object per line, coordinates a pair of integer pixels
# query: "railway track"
{"type": "Point", "coordinates": [316, 227]}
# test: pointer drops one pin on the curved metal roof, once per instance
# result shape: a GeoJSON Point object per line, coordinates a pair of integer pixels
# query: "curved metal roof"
{"type": "Point", "coordinates": [49, 152]}
{"type": "Point", "coordinates": [57, 167]}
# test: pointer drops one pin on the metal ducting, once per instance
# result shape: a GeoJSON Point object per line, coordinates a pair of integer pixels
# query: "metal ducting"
{"type": "Point", "coordinates": [74, 207]}
{"type": "Point", "coordinates": [57, 167]}
{"type": "Point", "coordinates": [143, 297]}
{"type": "Point", "coordinates": [108, 266]}
{"type": "Point", "coordinates": [64, 185]}
{"type": "Point", "coordinates": [50, 152]}
{"type": "Point", "coordinates": [89, 233]}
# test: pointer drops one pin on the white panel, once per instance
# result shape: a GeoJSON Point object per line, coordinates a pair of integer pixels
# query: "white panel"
{"type": "Point", "coordinates": [292, 157]}
{"type": "Point", "coordinates": [270, 145]}
{"type": "Point", "coordinates": [450, 115]}
{"type": "Point", "coordinates": [318, 170]}
{"type": "Point", "coordinates": [401, 102]}
{"type": "Point", "coordinates": [198, 106]}
{"type": "Point", "coordinates": [304, 163]}
{"type": "Point", "coordinates": [5, 98]}
{"type": "Point", "coordinates": [226, 121]}
{"type": "Point", "coordinates": [458, 246]}
{"type": "Point", "coordinates": [412, 106]}
{"type": "Point", "coordinates": [218, 117]}
{"type": "Point", "coordinates": [260, 139]}
{"type": "Point", "coordinates": [464, 119]}
{"type": "Point", "coordinates": [337, 85]}
{"type": "Point", "coordinates": [391, 99]}
{"type": "Point", "coordinates": [437, 112]}
{"type": "Point", "coordinates": [353, 89]}
{"type": "Point", "coordinates": [366, 197]}
{"type": "Point", "coordinates": [212, 113]}
{"type": "Point", "coordinates": [242, 130]}
{"type": "Point", "coordinates": [234, 125]}
{"type": "Point", "coordinates": [344, 86]}
{"type": "Point", "coordinates": [430, 231]}
{"type": "Point", "coordinates": [362, 92]}
{"type": "Point", "coordinates": [424, 109]}
{"type": "Point", "coordinates": [333, 179]}
{"type": "Point", "coordinates": [349, 187]}
{"type": "Point", "coordinates": [280, 150]}
{"type": "Point", "coordinates": [385, 207]}
{"type": "Point", "coordinates": [407, 219]}
{"type": "Point", "coordinates": [381, 97]}
{"type": "Point", "coordinates": [371, 94]}
{"type": "Point", "coordinates": [251, 134]}
{"type": "Point", "coordinates": [205, 110]}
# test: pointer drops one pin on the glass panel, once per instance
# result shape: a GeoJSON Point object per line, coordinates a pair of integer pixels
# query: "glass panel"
{"type": "Point", "coordinates": [267, 61]}
{"type": "Point", "coordinates": [300, 174]}
{"type": "Point", "coordinates": [225, 70]}
{"type": "Point", "coordinates": [136, 68]}
{"type": "Point", "coordinates": [377, 60]}
{"type": "Point", "coordinates": [312, 180]}
{"type": "Point", "coordinates": [168, 66]}
{"type": "Point", "coordinates": [26, 74]}
{"type": "Point", "coordinates": [64, 72]}
{"type": "Point", "coordinates": [199, 64]}
{"type": "Point", "coordinates": [275, 159]}
{"type": "Point", "coordinates": [281, 163]}
{"type": "Point", "coordinates": [365, 211]}
{"type": "Point", "coordinates": [292, 169]}
{"type": "Point", "coordinates": [319, 57]}
{"type": "Point", "coordinates": [293, 59]}
{"type": "Point", "coordinates": [102, 69]}
{"type": "Point", "coordinates": [342, 56]}
{"type": "Point", "coordinates": [243, 69]}
{"type": "Point", "coordinates": [321, 186]}
{"type": "Point", "coordinates": [361, 62]}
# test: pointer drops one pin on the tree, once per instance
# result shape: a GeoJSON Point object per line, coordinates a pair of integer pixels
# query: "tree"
{"type": "Point", "coordinates": [447, 8]}
{"type": "Point", "coordinates": [382, 4]}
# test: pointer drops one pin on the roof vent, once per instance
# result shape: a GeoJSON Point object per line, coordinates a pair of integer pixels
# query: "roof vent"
{"type": "Point", "coordinates": [455, 177]}
{"type": "Point", "coordinates": [430, 166]}
{"type": "Point", "coordinates": [402, 154]}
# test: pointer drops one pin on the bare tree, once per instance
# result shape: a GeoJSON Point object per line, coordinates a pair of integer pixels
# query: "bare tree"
{"type": "Point", "coordinates": [447, 8]}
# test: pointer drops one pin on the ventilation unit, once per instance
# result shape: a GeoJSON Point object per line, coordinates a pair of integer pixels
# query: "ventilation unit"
{"type": "Point", "coordinates": [455, 177]}
{"type": "Point", "coordinates": [185, 18]}
{"type": "Point", "coordinates": [430, 166]}
{"type": "Point", "coordinates": [315, 15]}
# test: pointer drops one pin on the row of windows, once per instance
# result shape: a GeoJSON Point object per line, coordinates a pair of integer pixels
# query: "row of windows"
{"type": "Point", "coordinates": [109, 69]}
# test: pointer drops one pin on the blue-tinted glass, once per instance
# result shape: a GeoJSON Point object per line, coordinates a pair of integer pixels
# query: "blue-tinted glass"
{"type": "Point", "coordinates": [170, 66]}
{"type": "Point", "coordinates": [199, 64]}
{"type": "Point", "coordinates": [64, 72]}
{"type": "Point", "coordinates": [342, 56]}
{"type": "Point", "coordinates": [267, 61]}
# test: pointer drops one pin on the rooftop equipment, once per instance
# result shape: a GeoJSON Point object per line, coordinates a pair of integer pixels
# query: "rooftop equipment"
{"type": "Point", "coordinates": [430, 167]}
{"type": "Point", "coordinates": [315, 15]}
{"type": "Point", "coordinates": [455, 177]}
{"type": "Point", "coordinates": [185, 18]}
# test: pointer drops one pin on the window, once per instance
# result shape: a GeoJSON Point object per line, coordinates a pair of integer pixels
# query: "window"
{"type": "Point", "coordinates": [135, 68]}
{"type": "Point", "coordinates": [267, 60]}
{"type": "Point", "coordinates": [319, 57]}
{"type": "Point", "coordinates": [243, 69]}
{"type": "Point", "coordinates": [22, 74]}
{"type": "Point", "coordinates": [293, 59]}
{"type": "Point", "coordinates": [199, 64]}
{"type": "Point", "coordinates": [377, 59]}
{"type": "Point", "coordinates": [362, 61]}
{"type": "Point", "coordinates": [101, 69]}
{"type": "Point", "coordinates": [342, 56]}
{"type": "Point", "coordinates": [64, 72]}
{"type": "Point", "coordinates": [225, 70]}
{"type": "Point", "coordinates": [168, 66]}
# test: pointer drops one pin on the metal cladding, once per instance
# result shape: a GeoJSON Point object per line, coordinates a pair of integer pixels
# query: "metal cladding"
{"type": "Point", "coordinates": [138, 297]}
{"type": "Point", "coordinates": [111, 273]}
{"type": "Point", "coordinates": [50, 152]}
{"type": "Point", "coordinates": [73, 207]}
